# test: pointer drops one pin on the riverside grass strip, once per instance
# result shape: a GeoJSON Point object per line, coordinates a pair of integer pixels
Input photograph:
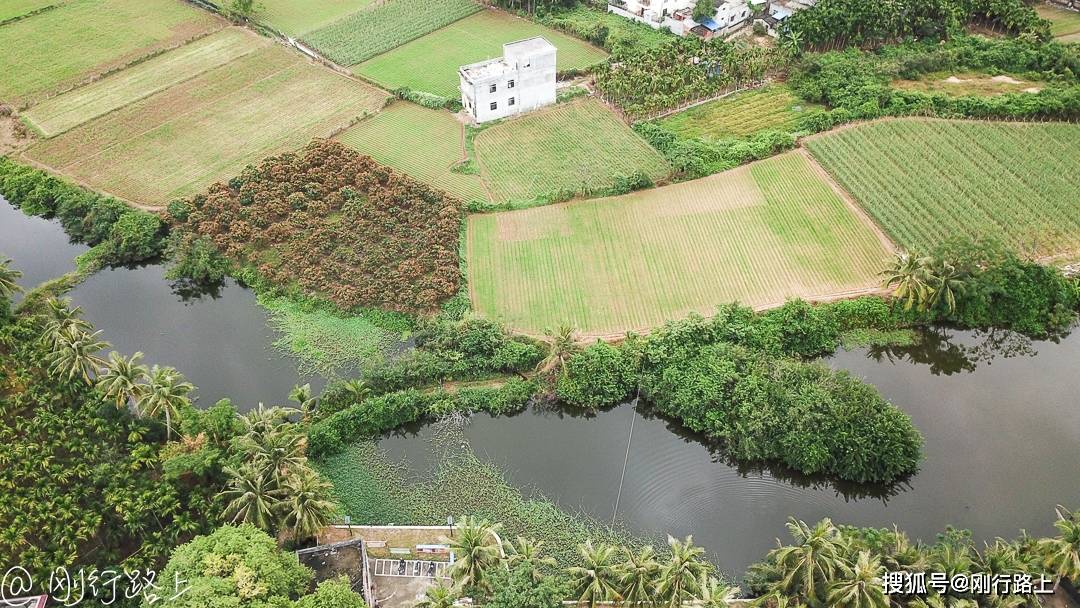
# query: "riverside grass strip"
{"type": "Point", "coordinates": [757, 235]}
{"type": "Point", "coordinates": [206, 129]}
{"type": "Point", "coordinates": [368, 33]}
{"type": "Point", "coordinates": [60, 48]}
{"type": "Point", "coordinates": [431, 63]}
{"type": "Point", "coordinates": [567, 147]}
{"type": "Point", "coordinates": [739, 115]}
{"type": "Point", "coordinates": [1064, 24]}
{"type": "Point", "coordinates": [299, 18]}
{"type": "Point", "coordinates": [926, 180]}
{"type": "Point", "coordinates": [420, 142]}
{"type": "Point", "coordinates": [72, 109]}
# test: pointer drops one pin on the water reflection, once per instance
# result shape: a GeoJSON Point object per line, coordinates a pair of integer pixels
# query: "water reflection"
{"type": "Point", "coordinates": [998, 413]}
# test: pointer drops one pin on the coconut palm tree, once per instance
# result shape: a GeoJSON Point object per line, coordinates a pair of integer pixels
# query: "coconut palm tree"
{"type": "Point", "coordinates": [59, 315]}
{"type": "Point", "coordinates": [165, 394]}
{"type": "Point", "coordinates": [562, 345]}
{"type": "Point", "coordinates": [276, 452]}
{"type": "Point", "coordinates": [9, 277]}
{"type": "Point", "coordinates": [438, 597]}
{"type": "Point", "coordinates": [304, 399]}
{"type": "Point", "coordinates": [680, 578]}
{"type": "Point", "coordinates": [909, 273]}
{"type": "Point", "coordinates": [638, 575]}
{"type": "Point", "coordinates": [305, 503]}
{"type": "Point", "coordinates": [261, 420]}
{"type": "Point", "coordinates": [357, 390]}
{"type": "Point", "coordinates": [716, 594]}
{"type": "Point", "coordinates": [596, 580]}
{"type": "Point", "coordinates": [1061, 554]}
{"type": "Point", "coordinates": [946, 283]}
{"type": "Point", "coordinates": [74, 353]}
{"type": "Point", "coordinates": [252, 497]}
{"type": "Point", "coordinates": [121, 378]}
{"type": "Point", "coordinates": [477, 550]}
{"type": "Point", "coordinates": [528, 552]}
{"type": "Point", "coordinates": [860, 584]}
{"type": "Point", "coordinates": [807, 568]}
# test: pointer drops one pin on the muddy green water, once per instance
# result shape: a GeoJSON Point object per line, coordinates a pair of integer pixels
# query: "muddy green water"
{"type": "Point", "coordinates": [1000, 417]}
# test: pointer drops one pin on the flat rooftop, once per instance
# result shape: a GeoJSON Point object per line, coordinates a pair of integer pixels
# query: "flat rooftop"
{"type": "Point", "coordinates": [494, 67]}
{"type": "Point", "coordinates": [535, 44]}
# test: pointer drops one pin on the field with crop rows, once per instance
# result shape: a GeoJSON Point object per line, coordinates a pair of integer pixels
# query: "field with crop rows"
{"type": "Point", "coordinates": [420, 142]}
{"type": "Point", "coordinates": [739, 115]}
{"type": "Point", "coordinates": [368, 33]}
{"type": "Point", "coordinates": [299, 18]}
{"type": "Point", "coordinates": [11, 9]}
{"type": "Point", "coordinates": [72, 109]}
{"type": "Point", "coordinates": [431, 63]}
{"type": "Point", "coordinates": [927, 180]}
{"type": "Point", "coordinates": [181, 140]}
{"type": "Point", "coordinates": [1063, 24]}
{"type": "Point", "coordinates": [62, 47]}
{"type": "Point", "coordinates": [565, 147]}
{"type": "Point", "coordinates": [757, 234]}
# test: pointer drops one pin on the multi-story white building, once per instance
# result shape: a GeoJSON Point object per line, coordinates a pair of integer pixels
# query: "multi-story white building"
{"type": "Point", "coordinates": [523, 79]}
{"type": "Point", "coordinates": [677, 15]}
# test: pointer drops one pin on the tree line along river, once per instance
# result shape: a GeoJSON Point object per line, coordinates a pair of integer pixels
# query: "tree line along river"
{"type": "Point", "coordinates": [999, 415]}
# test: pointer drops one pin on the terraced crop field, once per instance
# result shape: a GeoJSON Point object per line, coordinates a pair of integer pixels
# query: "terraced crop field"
{"type": "Point", "coordinates": [392, 23]}
{"type": "Point", "coordinates": [298, 18]}
{"type": "Point", "coordinates": [12, 9]}
{"type": "Point", "coordinates": [431, 63]}
{"type": "Point", "coordinates": [72, 109]}
{"type": "Point", "coordinates": [927, 180]}
{"type": "Point", "coordinates": [177, 142]}
{"type": "Point", "coordinates": [420, 142]}
{"type": "Point", "coordinates": [570, 146]}
{"type": "Point", "coordinates": [758, 234]}
{"type": "Point", "coordinates": [65, 46]}
{"type": "Point", "coordinates": [1064, 24]}
{"type": "Point", "coordinates": [740, 115]}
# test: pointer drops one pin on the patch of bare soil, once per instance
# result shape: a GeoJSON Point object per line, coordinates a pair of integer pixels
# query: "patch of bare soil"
{"type": "Point", "coordinates": [13, 135]}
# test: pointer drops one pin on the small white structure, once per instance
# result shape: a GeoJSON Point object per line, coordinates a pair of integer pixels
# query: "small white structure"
{"type": "Point", "coordinates": [523, 79]}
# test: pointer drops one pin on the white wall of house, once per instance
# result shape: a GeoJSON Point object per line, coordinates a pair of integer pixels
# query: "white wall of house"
{"type": "Point", "coordinates": [523, 79]}
{"type": "Point", "coordinates": [730, 14]}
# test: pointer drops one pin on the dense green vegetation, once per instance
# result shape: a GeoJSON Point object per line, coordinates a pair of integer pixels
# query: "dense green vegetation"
{"type": "Point", "coordinates": [375, 30]}
{"type": "Point", "coordinates": [649, 80]}
{"type": "Point", "coordinates": [857, 84]}
{"type": "Point", "coordinates": [119, 234]}
{"type": "Point", "coordinates": [335, 224]}
{"type": "Point", "coordinates": [612, 32]}
{"type": "Point", "coordinates": [839, 23]}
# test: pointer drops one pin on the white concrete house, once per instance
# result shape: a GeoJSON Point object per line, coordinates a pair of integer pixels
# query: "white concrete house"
{"type": "Point", "coordinates": [677, 15]}
{"type": "Point", "coordinates": [523, 79]}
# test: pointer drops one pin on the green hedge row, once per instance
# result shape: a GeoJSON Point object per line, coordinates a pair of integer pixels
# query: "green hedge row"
{"type": "Point", "coordinates": [697, 158]}
{"type": "Point", "coordinates": [376, 415]}
{"type": "Point", "coordinates": [125, 235]}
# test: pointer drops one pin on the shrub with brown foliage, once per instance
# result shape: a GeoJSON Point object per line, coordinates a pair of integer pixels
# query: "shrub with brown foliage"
{"type": "Point", "coordinates": [337, 224]}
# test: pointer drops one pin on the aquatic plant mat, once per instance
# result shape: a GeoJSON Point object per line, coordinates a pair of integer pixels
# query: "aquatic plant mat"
{"type": "Point", "coordinates": [374, 490]}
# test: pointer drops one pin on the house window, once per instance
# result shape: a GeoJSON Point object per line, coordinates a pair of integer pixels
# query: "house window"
{"type": "Point", "coordinates": [494, 105]}
{"type": "Point", "coordinates": [492, 89]}
{"type": "Point", "coordinates": [510, 84]}
{"type": "Point", "coordinates": [511, 102]}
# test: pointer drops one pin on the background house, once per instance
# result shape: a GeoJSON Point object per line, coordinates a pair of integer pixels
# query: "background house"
{"type": "Point", "coordinates": [523, 79]}
{"type": "Point", "coordinates": [677, 15]}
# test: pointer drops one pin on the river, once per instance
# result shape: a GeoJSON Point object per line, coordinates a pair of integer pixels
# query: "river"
{"type": "Point", "coordinates": [999, 416]}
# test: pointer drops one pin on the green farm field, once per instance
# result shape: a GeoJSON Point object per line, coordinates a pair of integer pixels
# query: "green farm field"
{"type": "Point", "coordinates": [420, 142]}
{"type": "Point", "coordinates": [758, 234]}
{"type": "Point", "coordinates": [572, 146]}
{"type": "Point", "coordinates": [1064, 24]}
{"type": "Point", "coordinates": [12, 9]}
{"type": "Point", "coordinates": [927, 180]}
{"type": "Point", "coordinates": [431, 63]}
{"type": "Point", "coordinates": [63, 112]}
{"type": "Point", "coordinates": [68, 45]}
{"type": "Point", "coordinates": [739, 115]}
{"type": "Point", "coordinates": [298, 17]}
{"type": "Point", "coordinates": [177, 142]}
{"type": "Point", "coordinates": [367, 33]}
